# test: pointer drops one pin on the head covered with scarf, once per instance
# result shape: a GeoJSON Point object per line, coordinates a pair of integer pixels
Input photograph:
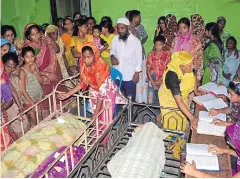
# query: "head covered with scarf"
{"type": "Point", "coordinates": [95, 74]}
{"type": "Point", "coordinates": [183, 42]}
{"type": "Point", "coordinates": [179, 59]}
{"type": "Point", "coordinates": [5, 41]}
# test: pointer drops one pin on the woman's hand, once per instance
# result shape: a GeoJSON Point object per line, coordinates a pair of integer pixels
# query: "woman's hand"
{"type": "Point", "coordinates": [215, 150]}
{"type": "Point", "coordinates": [194, 123]}
{"type": "Point", "coordinates": [218, 122]}
{"type": "Point", "coordinates": [188, 168]}
{"type": "Point", "coordinates": [213, 112]}
{"type": "Point", "coordinates": [63, 96]}
{"type": "Point", "coordinates": [52, 77]}
{"type": "Point", "coordinates": [48, 40]}
{"type": "Point", "coordinates": [224, 98]}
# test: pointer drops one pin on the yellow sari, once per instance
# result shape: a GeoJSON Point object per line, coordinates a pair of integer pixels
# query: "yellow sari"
{"type": "Point", "coordinates": [176, 120]}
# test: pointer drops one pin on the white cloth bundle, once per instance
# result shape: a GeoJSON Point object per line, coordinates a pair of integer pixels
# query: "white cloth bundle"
{"type": "Point", "coordinates": [142, 157]}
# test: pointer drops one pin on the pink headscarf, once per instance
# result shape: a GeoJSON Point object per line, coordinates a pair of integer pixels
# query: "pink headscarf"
{"type": "Point", "coordinates": [183, 42]}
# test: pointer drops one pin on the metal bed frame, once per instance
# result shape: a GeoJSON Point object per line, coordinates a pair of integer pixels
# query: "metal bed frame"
{"type": "Point", "coordinates": [94, 128]}
{"type": "Point", "coordinates": [94, 164]}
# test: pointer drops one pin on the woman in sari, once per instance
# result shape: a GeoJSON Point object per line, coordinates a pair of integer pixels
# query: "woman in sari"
{"type": "Point", "coordinates": [186, 41]}
{"type": "Point", "coordinates": [66, 38]}
{"type": "Point", "coordinates": [94, 72]}
{"type": "Point", "coordinates": [45, 49]}
{"type": "Point", "coordinates": [212, 58]}
{"type": "Point", "coordinates": [178, 83]}
{"type": "Point", "coordinates": [52, 32]}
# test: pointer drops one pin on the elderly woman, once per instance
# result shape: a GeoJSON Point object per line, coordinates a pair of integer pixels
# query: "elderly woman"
{"type": "Point", "coordinates": [95, 73]}
{"type": "Point", "coordinates": [52, 32]}
{"type": "Point", "coordinates": [178, 83]}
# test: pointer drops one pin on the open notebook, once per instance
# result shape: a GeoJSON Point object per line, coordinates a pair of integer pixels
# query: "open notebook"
{"type": "Point", "coordinates": [200, 99]}
{"type": "Point", "coordinates": [209, 101]}
{"type": "Point", "coordinates": [203, 160]}
{"type": "Point", "coordinates": [205, 126]}
{"type": "Point", "coordinates": [213, 88]}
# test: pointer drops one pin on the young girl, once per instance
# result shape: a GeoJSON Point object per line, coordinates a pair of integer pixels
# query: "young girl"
{"type": "Point", "coordinates": [234, 109]}
{"type": "Point", "coordinates": [157, 62]}
{"type": "Point", "coordinates": [97, 40]}
{"type": "Point", "coordinates": [231, 60]}
{"type": "Point", "coordinates": [90, 23]}
{"type": "Point", "coordinates": [30, 80]}
{"type": "Point", "coordinates": [107, 35]}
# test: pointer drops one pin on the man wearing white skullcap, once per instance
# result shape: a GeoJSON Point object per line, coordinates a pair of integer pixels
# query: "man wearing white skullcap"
{"type": "Point", "coordinates": [126, 56]}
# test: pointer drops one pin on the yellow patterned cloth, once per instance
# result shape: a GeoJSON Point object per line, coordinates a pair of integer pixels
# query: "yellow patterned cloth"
{"type": "Point", "coordinates": [172, 119]}
{"type": "Point", "coordinates": [24, 155]}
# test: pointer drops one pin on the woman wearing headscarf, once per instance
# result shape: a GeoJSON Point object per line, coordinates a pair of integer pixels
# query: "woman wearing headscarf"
{"type": "Point", "coordinates": [198, 28]}
{"type": "Point", "coordinates": [171, 30]}
{"type": "Point", "coordinates": [178, 83]}
{"type": "Point", "coordinates": [221, 21]}
{"type": "Point", "coordinates": [186, 41]}
{"type": "Point", "coordinates": [95, 73]}
{"type": "Point", "coordinates": [52, 32]}
{"type": "Point", "coordinates": [6, 46]}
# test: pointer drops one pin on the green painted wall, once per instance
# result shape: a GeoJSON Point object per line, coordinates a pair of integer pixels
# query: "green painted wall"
{"type": "Point", "coordinates": [152, 9]}
{"type": "Point", "coordinates": [20, 12]}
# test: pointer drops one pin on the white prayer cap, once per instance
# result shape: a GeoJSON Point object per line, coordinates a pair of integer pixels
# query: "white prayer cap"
{"type": "Point", "coordinates": [123, 20]}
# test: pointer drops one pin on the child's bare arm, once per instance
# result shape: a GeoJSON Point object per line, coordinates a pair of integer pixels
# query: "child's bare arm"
{"type": "Point", "coordinates": [104, 48]}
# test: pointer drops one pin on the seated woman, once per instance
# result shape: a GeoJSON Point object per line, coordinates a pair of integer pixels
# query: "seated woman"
{"type": "Point", "coordinates": [233, 132]}
{"type": "Point", "coordinates": [94, 72]}
{"type": "Point", "coordinates": [234, 109]}
{"type": "Point", "coordinates": [178, 83]}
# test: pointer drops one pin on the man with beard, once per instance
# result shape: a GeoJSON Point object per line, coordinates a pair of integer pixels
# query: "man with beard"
{"type": "Point", "coordinates": [126, 56]}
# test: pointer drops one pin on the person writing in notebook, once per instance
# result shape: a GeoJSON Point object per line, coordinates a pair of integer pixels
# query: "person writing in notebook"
{"type": "Point", "coordinates": [233, 133]}
{"type": "Point", "coordinates": [233, 109]}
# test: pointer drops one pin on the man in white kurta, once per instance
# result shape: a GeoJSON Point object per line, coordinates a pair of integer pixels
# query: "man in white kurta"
{"type": "Point", "coordinates": [126, 56]}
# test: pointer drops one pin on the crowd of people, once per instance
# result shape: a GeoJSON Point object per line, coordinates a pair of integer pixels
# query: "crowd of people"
{"type": "Point", "coordinates": [186, 54]}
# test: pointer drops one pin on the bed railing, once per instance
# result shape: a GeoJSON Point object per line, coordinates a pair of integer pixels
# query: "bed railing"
{"type": "Point", "coordinates": [94, 127]}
